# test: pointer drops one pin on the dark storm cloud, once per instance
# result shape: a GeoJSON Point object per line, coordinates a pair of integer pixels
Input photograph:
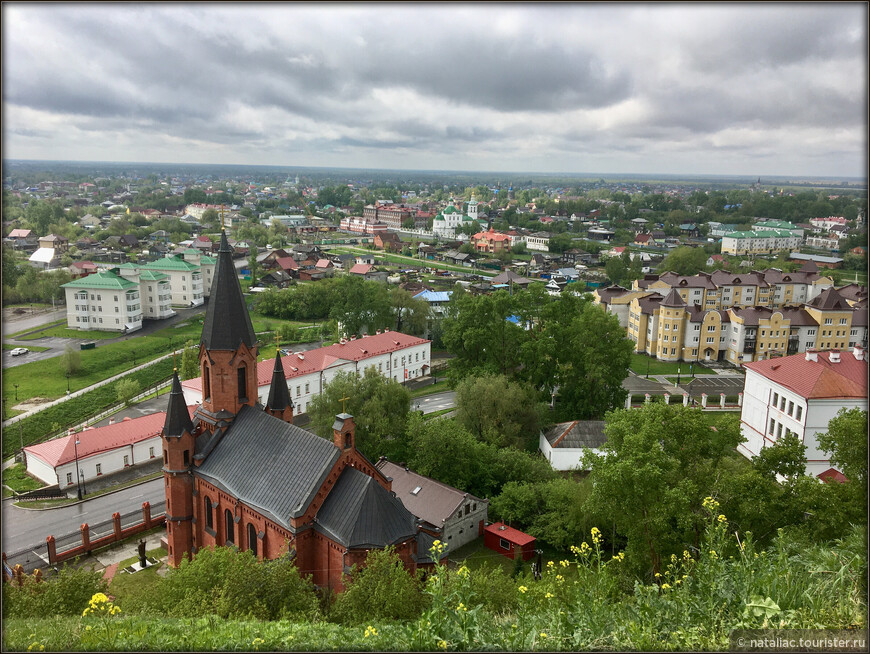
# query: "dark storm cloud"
{"type": "Point", "coordinates": [460, 81]}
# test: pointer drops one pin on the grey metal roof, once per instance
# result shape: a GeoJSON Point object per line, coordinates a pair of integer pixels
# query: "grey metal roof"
{"type": "Point", "coordinates": [269, 464]}
{"type": "Point", "coordinates": [359, 512]}
{"type": "Point", "coordinates": [577, 434]}
{"type": "Point", "coordinates": [227, 323]}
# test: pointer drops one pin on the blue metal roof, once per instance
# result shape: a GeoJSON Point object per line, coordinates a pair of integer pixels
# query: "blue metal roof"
{"type": "Point", "coordinates": [433, 296]}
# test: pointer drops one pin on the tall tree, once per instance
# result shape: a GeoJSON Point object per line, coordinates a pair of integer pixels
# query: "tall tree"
{"type": "Point", "coordinates": [499, 411]}
{"type": "Point", "coordinates": [658, 464]}
{"type": "Point", "coordinates": [412, 315]}
{"type": "Point", "coordinates": [380, 408]}
{"type": "Point", "coordinates": [189, 361]}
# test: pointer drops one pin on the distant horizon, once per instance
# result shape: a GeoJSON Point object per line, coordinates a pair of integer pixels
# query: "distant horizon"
{"type": "Point", "coordinates": [583, 174]}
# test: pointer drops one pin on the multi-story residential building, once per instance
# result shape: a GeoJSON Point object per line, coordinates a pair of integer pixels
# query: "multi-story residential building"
{"type": "Point", "coordinates": [393, 215]}
{"type": "Point", "coordinates": [800, 394]}
{"type": "Point", "coordinates": [490, 242]}
{"type": "Point", "coordinates": [156, 294]}
{"type": "Point", "coordinates": [206, 265]}
{"type": "Point", "coordinates": [394, 355]}
{"type": "Point", "coordinates": [759, 242]}
{"type": "Point", "coordinates": [831, 242]}
{"type": "Point", "coordinates": [781, 225]}
{"type": "Point", "coordinates": [539, 241]}
{"type": "Point", "coordinates": [360, 225]}
{"type": "Point", "coordinates": [198, 209]}
{"type": "Point", "coordinates": [185, 279]}
{"type": "Point", "coordinates": [827, 223]}
{"type": "Point", "coordinates": [666, 327]}
{"type": "Point", "coordinates": [103, 301]}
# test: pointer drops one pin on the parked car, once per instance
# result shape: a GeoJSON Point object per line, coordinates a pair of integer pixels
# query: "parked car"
{"type": "Point", "coordinates": [18, 351]}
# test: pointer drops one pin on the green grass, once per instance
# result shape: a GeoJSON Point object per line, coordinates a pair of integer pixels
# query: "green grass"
{"type": "Point", "coordinates": [46, 378]}
{"type": "Point", "coordinates": [32, 348]}
{"type": "Point", "coordinates": [16, 478]}
{"type": "Point", "coordinates": [431, 388]}
{"type": "Point", "coordinates": [438, 265]}
{"type": "Point", "coordinates": [62, 332]}
{"type": "Point", "coordinates": [640, 361]}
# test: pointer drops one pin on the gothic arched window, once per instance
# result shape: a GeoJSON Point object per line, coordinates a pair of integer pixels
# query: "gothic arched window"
{"type": "Point", "coordinates": [252, 539]}
{"type": "Point", "coordinates": [228, 519]}
{"type": "Point", "coordinates": [242, 382]}
{"type": "Point", "coordinates": [209, 514]}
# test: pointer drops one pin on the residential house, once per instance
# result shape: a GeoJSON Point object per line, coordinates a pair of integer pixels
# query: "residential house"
{"type": "Point", "coordinates": [103, 301]}
{"type": "Point", "coordinates": [563, 444]}
{"type": "Point", "coordinates": [388, 241]}
{"type": "Point", "coordinates": [491, 242]}
{"type": "Point", "coordinates": [799, 395]}
{"type": "Point", "coordinates": [450, 515]}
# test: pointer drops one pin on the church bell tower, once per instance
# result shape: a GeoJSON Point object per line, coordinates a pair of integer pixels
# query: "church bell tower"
{"type": "Point", "coordinates": [179, 443]}
{"type": "Point", "coordinates": [228, 347]}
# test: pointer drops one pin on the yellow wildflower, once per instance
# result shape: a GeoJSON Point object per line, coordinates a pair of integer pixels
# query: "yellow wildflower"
{"type": "Point", "coordinates": [370, 631]}
{"type": "Point", "coordinates": [596, 535]}
{"type": "Point", "coordinates": [522, 589]}
{"type": "Point", "coordinates": [658, 574]}
{"type": "Point", "coordinates": [560, 578]}
{"type": "Point", "coordinates": [543, 635]}
{"type": "Point", "coordinates": [442, 644]}
{"type": "Point", "coordinates": [550, 564]}
{"type": "Point", "coordinates": [564, 564]}
{"type": "Point", "coordinates": [461, 607]}
{"type": "Point", "coordinates": [722, 519]}
{"type": "Point", "coordinates": [665, 586]}
{"type": "Point", "coordinates": [548, 595]}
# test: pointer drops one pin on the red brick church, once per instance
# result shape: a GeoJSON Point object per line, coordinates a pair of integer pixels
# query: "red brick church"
{"type": "Point", "coordinates": [242, 474]}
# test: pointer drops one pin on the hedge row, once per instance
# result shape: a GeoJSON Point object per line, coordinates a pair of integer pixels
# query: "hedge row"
{"type": "Point", "coordinates": [36, 428]}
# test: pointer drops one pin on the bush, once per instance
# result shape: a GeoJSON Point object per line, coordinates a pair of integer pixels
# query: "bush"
{"type": "Point", "coordinates": [127, 389]}
{"type": "Point", "coordinates": [382, 590]}
{"type": "Point", "coordinates": [66, 593]}
{"type": "Point", "coordinates": [234, 585]}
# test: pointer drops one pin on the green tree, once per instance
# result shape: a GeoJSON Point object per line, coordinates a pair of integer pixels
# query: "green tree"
{"type": "Point", "coordinates": [684, 261]}
{"type": "Point", "coordinates": [658, 464]}
{"type": "Point", "coordinates": [189, 361]}
{"type": "Point", "coordinates": [381, 590]}
{"type": "Point", "coordinates": [560, 242]}
{"type": "Point", "coordinates": [846, 443]}
{"type": "Point", "coordinates": [412, 316]}
{"type": "Point", "coordinates": [127, 389]}
{"type": "Point", "coordinates": [499, 411]}
{"type": "Point", "coordinates": [379, 406]}
{"type": "Point", "coordinates": [70, 360]}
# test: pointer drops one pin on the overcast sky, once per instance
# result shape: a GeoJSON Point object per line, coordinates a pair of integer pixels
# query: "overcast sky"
{"type": "Point", "coordinates": [751, 89]}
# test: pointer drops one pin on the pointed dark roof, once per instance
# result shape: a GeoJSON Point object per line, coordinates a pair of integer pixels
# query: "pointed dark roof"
{"type": "Point", "coordinates": [227, 323]}
{"type": "Point", "coordinates": [673, 299]}
{"type": "Point", "coordinates": [829, 299]}
{"type": "Point", "coordinates": [810, 267]}
{"type": "Point", "coordinates": [279, 396]}
{"type": "Point", "coordinates": [177, 416]}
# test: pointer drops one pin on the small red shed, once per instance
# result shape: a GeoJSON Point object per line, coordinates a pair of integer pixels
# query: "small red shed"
{"type": "Point", "coordinates": [505, 540]}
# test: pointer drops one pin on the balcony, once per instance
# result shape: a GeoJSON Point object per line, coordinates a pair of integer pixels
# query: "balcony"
{"type": "Point", "coordinates": [749, 347]}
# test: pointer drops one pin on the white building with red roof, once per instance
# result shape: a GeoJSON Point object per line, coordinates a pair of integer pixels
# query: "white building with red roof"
{"type": "Point", "coordinates": [394, 355]}
{"type": "Point", "coordinates": [100, 451]}
{"type": "Point", "coordinates": [800, 394]}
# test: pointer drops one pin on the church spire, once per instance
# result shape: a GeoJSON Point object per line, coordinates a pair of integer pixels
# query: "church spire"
{"type": "Point", "coordinates": [278, 404]}
{"type": "Point", "coordinates": [177, 417]}
{"type": "Point", "coordinates": [227, 323]}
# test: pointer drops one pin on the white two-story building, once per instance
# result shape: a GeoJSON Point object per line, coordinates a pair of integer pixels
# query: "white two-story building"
{"type": "Point", "coordinates": [392, 354]}
{"type": "Point", "coordinates": [799, 394]}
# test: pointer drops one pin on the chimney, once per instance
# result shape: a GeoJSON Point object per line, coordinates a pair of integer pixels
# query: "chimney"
{"type": "Point", "coordinates": [858, 352]}
{"type": "Point", "coordinates": [812, 355]}
{"type": "Point", "coordinates": [111, 421]}
{"type": "Point", "coordinates": [834, 356]}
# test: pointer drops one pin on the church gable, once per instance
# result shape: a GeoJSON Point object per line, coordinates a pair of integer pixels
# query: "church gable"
{"type": "Point", "coordinates": [269, 465]}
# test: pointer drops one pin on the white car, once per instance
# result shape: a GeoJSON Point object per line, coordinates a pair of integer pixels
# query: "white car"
{"type": "Point", "coordinates": [19, 351]}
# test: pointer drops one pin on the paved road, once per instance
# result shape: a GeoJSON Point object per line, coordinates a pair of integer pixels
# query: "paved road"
{"type": "Point", "coordinates": [26, 527]}
{"type": "Point", "coordinates": [434, 402]}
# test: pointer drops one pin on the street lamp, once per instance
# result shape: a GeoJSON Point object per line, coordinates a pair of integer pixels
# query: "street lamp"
{"type": "Point", "coordinates": [679, 370]}
{"type": "Point", "coordinates": [84, 488]}
{"type": "Point", "coordinates": [647, 366]}
{"type": "Point", "coordinates": [78, 479]}
{"type": "Point", "coordinates": [692, 369]}
{"type": "Point", "coordinates": [16, 391]}
{"type": "Point", "coordinates": [67, 383]}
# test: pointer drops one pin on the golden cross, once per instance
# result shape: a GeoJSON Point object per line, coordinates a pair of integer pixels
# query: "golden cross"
{"type": "Point", "coordinates": [343, 406]}
{"type": "Point", "coordinates": [277, 342]}
{"type": "Point", "coordinates": [222, 217]}
{"type": "Point", "coordinates": [174, 365]}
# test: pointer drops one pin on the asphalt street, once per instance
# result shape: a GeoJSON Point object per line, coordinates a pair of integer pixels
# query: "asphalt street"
{"type": "Point", "coordinates": [26, 527]}
{"type": "Point", "coordinates": [434, 402]}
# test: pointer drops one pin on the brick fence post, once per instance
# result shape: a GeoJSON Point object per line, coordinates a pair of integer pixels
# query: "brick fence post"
{"type": "Point", "coordinates": [146, 514]}
{"type": "Point", "coordinates": [52, 550]}
{"type": "Point", "coordinates": [685, 399]}
{"type": "Point", "coordinates": [667, 398]}
{"type": "Point", "coordinates": [740, 398]}
{"type": "Point", "coordinates": [722, 400]}
{"type": "Point", "coordinates": [86, 536]}
{"type": "Point", "coordinates": [704, 400]}
{"type": "Point", "coordinates": [116, 525]}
